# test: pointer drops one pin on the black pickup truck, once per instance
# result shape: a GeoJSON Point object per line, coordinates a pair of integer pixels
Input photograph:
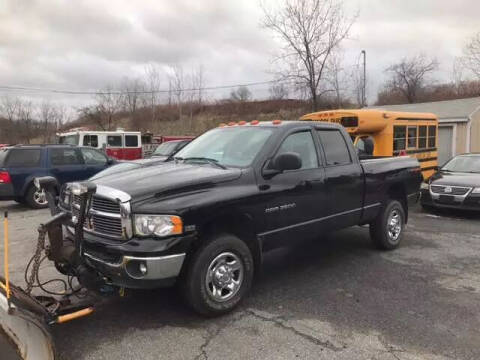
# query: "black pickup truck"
{"type": "Point", "coordinates": [204, 218]}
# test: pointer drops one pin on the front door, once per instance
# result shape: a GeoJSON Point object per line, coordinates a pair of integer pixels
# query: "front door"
{"type": "Point", "coordinates": [295, 199]}
{"type": "Point", "coordinates": [66, 164]}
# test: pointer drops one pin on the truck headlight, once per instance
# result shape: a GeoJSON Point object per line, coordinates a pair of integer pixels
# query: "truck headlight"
{"type": "Point", "coordinates": [158, 225]}
{"type": "Point", "coordinates": [476, 190]}
{"type": "Point", "coordinates": [424, 186]}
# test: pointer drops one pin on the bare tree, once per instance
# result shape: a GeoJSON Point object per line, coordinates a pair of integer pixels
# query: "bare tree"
{"type": "Point", "coordinates": [132, 91]}
{"type": "Point", "coordinates": [9, 109]}
{"type": "Point", "coordinates": [409, 75]}
{"type": "Point", "coordinates": [108, 102]}
{"type": "Point", "coordinates": [153, 81]}
{"type": "Point", "coordinates": [310, 31]}
{"type": "Point", "coordinates": [471, 55]}
{"type": "Point", "coordinates": [177, 81]}
{"type": "Point", "coordinates": [47, 115]}
{"type": "Point", "coordinates": [241, 94]}
{"type": "Point", "coordinates": [335, 76]}
{"type": "Point", "coordinates": [25, 114]}
{"type": "Point", "coordinates": [278, 91]}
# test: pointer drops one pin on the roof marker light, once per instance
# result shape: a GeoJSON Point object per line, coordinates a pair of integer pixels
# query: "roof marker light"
{"type": "Point", "coordinates": [232, 123]}
{"type": "Point", "coordinates": [242, 122]}
{"type": "Point", "coordinates": [276, 122]}
{"type": "Point", "coordinates": [254, 122]}
{"type": "Point", "coordinates": [222, 125]}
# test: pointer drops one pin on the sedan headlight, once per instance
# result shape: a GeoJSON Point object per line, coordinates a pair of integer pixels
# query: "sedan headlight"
{"type": "Point", "coordinates": [476, 190]}
{"type": "Point", "coordinates": [424, 186]}
{"type": "Point", "coordinates": [158, 225]}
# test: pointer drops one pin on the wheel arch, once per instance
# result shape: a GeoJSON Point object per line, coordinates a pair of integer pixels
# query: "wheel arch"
{"type": "Point", "coordinates": [398, 192]}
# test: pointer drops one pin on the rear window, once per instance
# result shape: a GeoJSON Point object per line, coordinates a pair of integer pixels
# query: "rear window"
{"type": "Point", "coordinates": [23, 158]}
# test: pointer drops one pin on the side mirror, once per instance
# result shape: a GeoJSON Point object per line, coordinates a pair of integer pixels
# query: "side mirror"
{"type": "Point", "coordinates": [283, 162]}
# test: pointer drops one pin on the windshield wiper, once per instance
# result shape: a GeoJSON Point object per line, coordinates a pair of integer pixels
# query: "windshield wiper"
{"type": "Point", "coordinates": [200, 158]}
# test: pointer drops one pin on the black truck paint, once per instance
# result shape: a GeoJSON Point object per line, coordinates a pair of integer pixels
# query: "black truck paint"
{"type": "Point", "coordinates": [251, 208]}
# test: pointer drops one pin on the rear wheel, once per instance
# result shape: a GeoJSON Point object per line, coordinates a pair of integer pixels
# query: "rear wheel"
{"type": "Point", "coordinates": [387, 229]}
{"type": "Point", "coordinates": [218, 276]}
{"type": "Point", "coordinates": [36, 198]}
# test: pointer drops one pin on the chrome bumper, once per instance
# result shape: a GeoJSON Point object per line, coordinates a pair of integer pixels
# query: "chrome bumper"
{"type": "Point", "coordinates": [139, 268]}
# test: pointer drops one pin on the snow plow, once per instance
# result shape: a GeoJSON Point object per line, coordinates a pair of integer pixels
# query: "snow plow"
{"type": "Point", "coordinates": [25, 317]}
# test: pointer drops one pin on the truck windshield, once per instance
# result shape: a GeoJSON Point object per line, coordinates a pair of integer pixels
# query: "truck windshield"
{"type": "Point", "coordinates": [228, 146]}
{"type": "Point", "coordinates": [165, 148]}
{"type": "Point", "coordinates": [69, 140]}
{"type": "Point", "coordinates": [468, 163]}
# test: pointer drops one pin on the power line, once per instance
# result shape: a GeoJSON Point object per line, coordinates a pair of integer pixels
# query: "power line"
{"type": "Point", "coordinates": [119, 92]}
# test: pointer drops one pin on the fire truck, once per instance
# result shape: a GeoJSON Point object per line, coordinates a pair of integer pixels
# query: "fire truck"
{"type": "Point", "coordinates": [119, 144]}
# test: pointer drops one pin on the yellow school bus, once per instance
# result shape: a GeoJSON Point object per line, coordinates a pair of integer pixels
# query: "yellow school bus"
{"type": "Point", "coordinates": [391, 133]}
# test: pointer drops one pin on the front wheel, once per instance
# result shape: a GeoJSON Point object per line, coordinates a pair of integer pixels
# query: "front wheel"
{"type": "Point", "coordinates": [218, 276]}
{"type": "Point", "coordinates": [386, 230]}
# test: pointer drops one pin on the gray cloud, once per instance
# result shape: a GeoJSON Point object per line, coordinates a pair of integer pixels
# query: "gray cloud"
{"type": "Point", "coordinates": [88, 44]}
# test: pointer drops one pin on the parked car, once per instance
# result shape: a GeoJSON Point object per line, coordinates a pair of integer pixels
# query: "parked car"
{"type": "Point", "coordinates": [205, 217]}
{"type": "Point", "coordinates": [455, 185]}
{"type": "Point", "coordinates": [20, 164]}
{"type": "Point", "coordinates": [166, 149]}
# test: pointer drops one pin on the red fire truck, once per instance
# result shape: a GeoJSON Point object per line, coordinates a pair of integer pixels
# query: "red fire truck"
{"type": "Point", "coordinates": [120, 144]}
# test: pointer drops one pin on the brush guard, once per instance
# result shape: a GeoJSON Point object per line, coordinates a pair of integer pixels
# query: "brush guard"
{"type": "Point", "coordinates": [24, 318]}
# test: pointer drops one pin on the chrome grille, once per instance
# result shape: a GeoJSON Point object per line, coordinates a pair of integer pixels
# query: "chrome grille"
{"type": "Point", "coordinates": [105, 205]}
{"type": "Point", "coordinates": [106, 216]}
{"type": "Point", "coordinates": [454, 190]}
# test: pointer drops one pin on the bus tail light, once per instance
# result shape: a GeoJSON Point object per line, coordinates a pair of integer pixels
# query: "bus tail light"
{"type": "Point", "coordinates": [5, 177]}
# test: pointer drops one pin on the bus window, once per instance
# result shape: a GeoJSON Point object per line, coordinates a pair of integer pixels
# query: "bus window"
{"type": "Point", "coordinates": [399, 137]}
{"type": "Point", "coordinates": [422, 136]}
{"type": "Point", "coordinates": [412, 137]}
{"type": "Point", "coordinates": [432, 133]}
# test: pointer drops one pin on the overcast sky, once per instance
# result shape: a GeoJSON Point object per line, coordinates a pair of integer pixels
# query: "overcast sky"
{"type": "Point", "coordinates": [85, 45]}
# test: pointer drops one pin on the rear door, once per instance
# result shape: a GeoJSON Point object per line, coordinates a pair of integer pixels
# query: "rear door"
{"type": "Point", "coordinates": [66, 164]}
{"type": "Point", "coordinates": [344, 179]}
{"type": "Point", "coordinates": [295, 200]}
{"type": "Point", "coordinates": [94, 161]}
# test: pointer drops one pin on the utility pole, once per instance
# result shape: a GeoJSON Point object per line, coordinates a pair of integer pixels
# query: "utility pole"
{"type": "Point", "coordinates": [364, 94]}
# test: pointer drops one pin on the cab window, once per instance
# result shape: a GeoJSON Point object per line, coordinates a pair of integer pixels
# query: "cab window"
{"type": "Point", "coordinates": [90, 140]}
{"type": "Point", "coordinates": [131, 140]}
{"type": "Point", "coordinates": [114, 140]}
{"type": "Point", "coordinates": [334, 147]}
{"type": "Point", "coordinates": [93, 157]}
{"type": "Point", "coordinates": [302, 144]}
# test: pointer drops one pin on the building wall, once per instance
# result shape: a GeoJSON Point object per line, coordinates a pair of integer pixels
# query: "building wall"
{"type": "Point", "coordinates": [459, 132]}
{"type": "Point", "coordinates": [475, 132]}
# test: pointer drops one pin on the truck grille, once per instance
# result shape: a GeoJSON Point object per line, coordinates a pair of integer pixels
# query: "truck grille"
{"type": "Point", "coordinates": [455, 190]}
{"type": "Point", "coordinates": [105, 217]}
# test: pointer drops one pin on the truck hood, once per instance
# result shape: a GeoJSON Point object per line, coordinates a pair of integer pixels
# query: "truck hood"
{"type": "Point", "coordinates": [456, 179]}
{"type": "Point", "coordinates": [167, 178]}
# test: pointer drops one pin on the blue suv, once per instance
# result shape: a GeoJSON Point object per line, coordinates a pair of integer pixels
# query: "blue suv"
{"type": "Point", "coordinates": [20, 164]}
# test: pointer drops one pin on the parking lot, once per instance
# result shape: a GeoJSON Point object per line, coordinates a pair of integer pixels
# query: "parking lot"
{"type": "Point", "coordinates": [331, 298]}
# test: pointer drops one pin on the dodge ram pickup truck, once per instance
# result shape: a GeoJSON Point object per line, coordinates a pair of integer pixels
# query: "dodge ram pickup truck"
{"type": "Point", "coordinates": [204, 218]}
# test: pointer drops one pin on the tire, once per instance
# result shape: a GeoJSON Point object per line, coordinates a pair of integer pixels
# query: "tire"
{"type": "Point", "coordinates": [35, 199]}
{"type": "Point", "coordinates": [387, 230]}
{"type": "Point", "coordinates": [211, 267]}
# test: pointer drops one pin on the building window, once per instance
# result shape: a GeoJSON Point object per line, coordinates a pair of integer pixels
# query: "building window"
{"type": "Point", "coordinates": [412, 137]}
{"type": "Point", "coordinates": [399, 137]}
{"type": "Point", "coordinates": [432, 136]}
{"type": "Point", "coordinates": [422, 137]}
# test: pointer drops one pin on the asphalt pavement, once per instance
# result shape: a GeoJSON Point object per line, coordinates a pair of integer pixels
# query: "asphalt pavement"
{"type": "Point", "coordinates": [334, 297]}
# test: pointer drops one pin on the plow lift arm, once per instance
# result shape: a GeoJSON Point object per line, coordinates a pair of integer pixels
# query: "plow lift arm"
{"type": "Point", "coordinates": [24, 318]}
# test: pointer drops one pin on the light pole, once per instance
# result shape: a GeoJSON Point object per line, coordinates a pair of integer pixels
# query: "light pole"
{"type": "Point", "coordinates": [364, 85]}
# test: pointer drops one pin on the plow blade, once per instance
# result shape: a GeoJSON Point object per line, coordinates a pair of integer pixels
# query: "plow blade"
{"type": "Point", "coordinates": [23, 331]}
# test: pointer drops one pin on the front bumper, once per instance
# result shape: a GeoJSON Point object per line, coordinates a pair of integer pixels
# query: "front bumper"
{"type": "Point", "coordinates": [139, 272]}
{"type": "Point", "coordinates": [469, 202]}
{"type": "Point", "coordinates": [120, 262]}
